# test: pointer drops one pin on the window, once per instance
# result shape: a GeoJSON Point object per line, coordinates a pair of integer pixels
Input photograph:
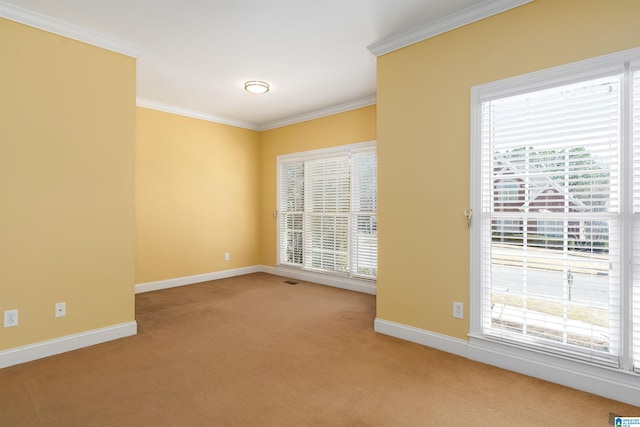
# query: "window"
{"type": "Point", "coordinates": [327, 210]}
{"type": "Point", "coordinates": [508, 191]}
{"type": "Point", "coordinates": [556, 200]}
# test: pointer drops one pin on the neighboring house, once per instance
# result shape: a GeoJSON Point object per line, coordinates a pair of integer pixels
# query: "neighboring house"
{"type": "Point", "coordinates": [520, 191]}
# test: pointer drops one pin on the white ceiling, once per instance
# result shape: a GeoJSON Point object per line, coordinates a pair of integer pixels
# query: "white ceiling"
{"type": "Point", "coordinates": [195, 55]}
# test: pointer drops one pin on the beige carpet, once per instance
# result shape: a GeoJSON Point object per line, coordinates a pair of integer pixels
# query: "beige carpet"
{"type": "Point", "coordinates": [254, 351]}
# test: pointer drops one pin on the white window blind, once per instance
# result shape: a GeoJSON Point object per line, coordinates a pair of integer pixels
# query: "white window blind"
{"type": "Point", "coordinates": [327, 211]}
{"type": "Point", "coordinates": [636, 214]}
{"type": "Point", "coordinates": [327, 206]}
{"type": "Point", "coordinates": [556, 200]}
{"type": "Point", "coordinates": [364, 220]}
{"type": "Point", "coordinates": [551, 280]}
{"type": "Point", "coordinates": [291, 208]}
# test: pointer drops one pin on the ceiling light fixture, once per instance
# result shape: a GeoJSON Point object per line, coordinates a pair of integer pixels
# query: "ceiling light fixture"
{"type": "Point", "coordinates": [256, 86]}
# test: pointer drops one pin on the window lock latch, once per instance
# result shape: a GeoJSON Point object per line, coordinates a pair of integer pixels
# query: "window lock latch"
{"type": "Point", "coordinates": [468, 213]}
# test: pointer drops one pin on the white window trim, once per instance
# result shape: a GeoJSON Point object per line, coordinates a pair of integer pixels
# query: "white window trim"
{"type": "Point", "coordinates": [579, 374]}
{"type": "Point", "coordinates": [325, 152]}
{"type": "Point", "coordinates": [336, 279]}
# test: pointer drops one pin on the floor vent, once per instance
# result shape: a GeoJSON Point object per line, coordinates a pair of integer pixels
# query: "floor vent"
{"type": "Point", "coordinates": [290, 282]}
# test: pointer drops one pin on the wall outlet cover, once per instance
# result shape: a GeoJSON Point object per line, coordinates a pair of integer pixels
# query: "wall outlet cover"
{"type": "Point", "coordinates": [458, 310]}
{"type": "Point", "coordinates": [10, 318]}
{"type": "Point", "coordinates": [61, 309]}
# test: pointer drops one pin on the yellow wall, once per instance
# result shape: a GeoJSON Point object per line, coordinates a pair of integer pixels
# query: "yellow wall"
{"type": "Point", "coordinates": [339, 129]}
{"type": "Point", "coordinates": [67, 128]}
{"type": "Point", "coordinates": [203, 189]}
{"type": "Point", "coordinates": [67, 114]}
{"type": "Point", "coordinates": [196, 196]}
{"type": "Point", "coordinates": [69, 132]}
{"type": "Point", "coordinates": [423, 141]}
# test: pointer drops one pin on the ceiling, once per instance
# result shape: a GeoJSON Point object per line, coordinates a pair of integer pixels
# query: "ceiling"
{"type": "Point", "coordinates": [195, 55]}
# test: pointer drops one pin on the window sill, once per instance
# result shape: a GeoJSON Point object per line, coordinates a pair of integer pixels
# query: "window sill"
{"type": "Point", "coordinates": [615, 383]}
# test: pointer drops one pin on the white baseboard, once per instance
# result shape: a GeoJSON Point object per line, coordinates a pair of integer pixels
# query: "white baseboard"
{"type": "Point", "coordinates": [365, 286]}
{"type": "Point", "coordinates": [198, 278]}
{"type": "Point", "coordinates": [357, 285]}
{"type": "Point", "coordinates": [52, 347]}
{"type": "Point", "coordinates": [27, 353]}
{"type": "Point", "coordinates": [611, 383]}
{"type": "Point", "coordinates": [420, 336]}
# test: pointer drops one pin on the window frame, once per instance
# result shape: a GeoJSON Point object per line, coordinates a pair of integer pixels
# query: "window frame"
{"type": "Point", "coordinates": [350, 279]}
{"type": "Point", "coordinates": [539, 80]}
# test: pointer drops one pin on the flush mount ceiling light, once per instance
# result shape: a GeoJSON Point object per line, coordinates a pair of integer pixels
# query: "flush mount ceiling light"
{"type": "Point", "coordinates": [256, 86]}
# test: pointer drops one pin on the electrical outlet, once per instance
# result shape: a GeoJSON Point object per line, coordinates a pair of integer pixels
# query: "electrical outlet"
{"type": "Point", "coordinates": [61, 309]}
{"type": "Point", "coordinates": [10, 318]}
{"type": "Point", "coordinates": [226, 256]}
{"type": "Point", "coordinates": [458, 310]}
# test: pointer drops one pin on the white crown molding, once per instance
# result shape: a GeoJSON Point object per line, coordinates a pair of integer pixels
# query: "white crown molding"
{"type": "Point", "coordinates": [340, 108]}
{"type": "Point", "coordinates": [448, 23]}
{"type": "Point", "coordinates": [27, 353]}
{"type": "Point", "coordinates": [153, 105]}
{"type": "Point", "coordinates": [52, 25]}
